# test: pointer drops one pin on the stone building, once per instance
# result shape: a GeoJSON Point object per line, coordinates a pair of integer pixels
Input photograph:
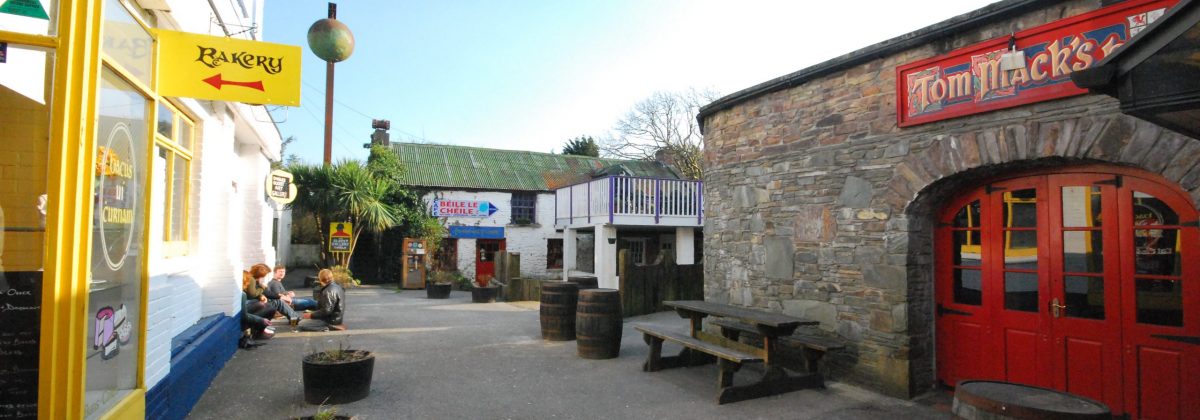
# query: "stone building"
{"type": "Point", "coordinates": [952, 217]}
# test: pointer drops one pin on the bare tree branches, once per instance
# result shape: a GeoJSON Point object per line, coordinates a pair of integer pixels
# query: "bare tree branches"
{"type": "Point", "coordinates": [663, 123]}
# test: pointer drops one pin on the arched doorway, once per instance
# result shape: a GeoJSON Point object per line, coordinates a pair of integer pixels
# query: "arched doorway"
{"type": "Point", "coordinates": [1083, 280]}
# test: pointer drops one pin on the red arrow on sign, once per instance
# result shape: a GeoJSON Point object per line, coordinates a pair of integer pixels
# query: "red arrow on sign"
{"type": "Point", "coordinates": [217, 82]}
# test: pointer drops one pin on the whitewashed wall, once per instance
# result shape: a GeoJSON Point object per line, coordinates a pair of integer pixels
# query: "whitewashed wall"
{"type": "Point", "coordinates": [529, 240]}
{"type": "Point", "coordinates": [230, 219]}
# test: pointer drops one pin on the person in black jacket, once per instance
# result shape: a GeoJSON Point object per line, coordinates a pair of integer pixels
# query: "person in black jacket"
{"type": "Point", "coordinates": [331, 303]}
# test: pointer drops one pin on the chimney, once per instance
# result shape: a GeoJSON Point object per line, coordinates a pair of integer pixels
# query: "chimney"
{"type": "Point", "coordinates": [380, 136]}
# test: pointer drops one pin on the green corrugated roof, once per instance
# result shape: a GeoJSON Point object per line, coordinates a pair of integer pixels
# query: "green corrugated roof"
{"type": "Point", "coordinates": [436, 165]}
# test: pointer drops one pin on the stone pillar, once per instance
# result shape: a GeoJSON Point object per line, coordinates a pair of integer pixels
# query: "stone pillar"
{"type": "Point", "coordinates": [685, 246]}
{"type": "Point", "coordinates": [606, 256]}
{"type": "Point", "coordinates": [569, 250]}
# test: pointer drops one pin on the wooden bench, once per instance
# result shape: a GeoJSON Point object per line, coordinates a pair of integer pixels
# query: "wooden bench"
{"type": "Point", "coordinates": [730, 357]}
{"type": "Point", "coordinates": [814, 346]}
{"type": "Point", "coordinates": [700, 347]}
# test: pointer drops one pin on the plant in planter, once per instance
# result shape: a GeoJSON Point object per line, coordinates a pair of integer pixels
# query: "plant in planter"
{"type": "Point", "coordinates": [484, 291]}
{"type": "Point", "coordinates": [439, 285]}
{"type": "Point", "coordinates": [326, 413]}
{"type": "Point", "coordinates": [337, 376]}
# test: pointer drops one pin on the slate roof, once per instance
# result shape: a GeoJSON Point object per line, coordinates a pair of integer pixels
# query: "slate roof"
{"type": "Point", "coordinates": [445, 166]}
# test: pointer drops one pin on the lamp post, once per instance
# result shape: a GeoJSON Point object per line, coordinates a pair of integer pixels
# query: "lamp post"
{"type": "Point", "coordinates": [331, 41]}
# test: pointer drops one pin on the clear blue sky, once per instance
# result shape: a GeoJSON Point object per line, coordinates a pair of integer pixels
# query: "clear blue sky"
{"type": "Point", "coordinates": [530, 75]}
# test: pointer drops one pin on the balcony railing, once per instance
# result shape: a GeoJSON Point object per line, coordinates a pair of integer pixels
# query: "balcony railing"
{"type": "Point", "coordinates": [622, 200]}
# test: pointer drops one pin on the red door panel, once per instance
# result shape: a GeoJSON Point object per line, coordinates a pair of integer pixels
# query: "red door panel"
{"type": "Point", "coordinates": [1161, 393]}
{"type": "Point", "coordinates": [1084, 282]}
{"type": "Point", "coordinates": [1084, 298]}
{"type": "Point", "coordinates": [965, 343]}
{"type": "Point", "coordinates": [1160, 301]}
{"type": "Point", "coordinates": [1021, 356]}
{"type": "Point", "coordinates": [1085, 367]}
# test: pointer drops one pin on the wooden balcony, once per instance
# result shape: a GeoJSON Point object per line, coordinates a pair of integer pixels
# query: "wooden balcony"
{"type": "Point", "coordinates": [630, 201]}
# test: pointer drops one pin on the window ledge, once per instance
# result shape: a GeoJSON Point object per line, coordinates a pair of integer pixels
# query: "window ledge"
{"type": "Point", "coordinates": [524, 225]}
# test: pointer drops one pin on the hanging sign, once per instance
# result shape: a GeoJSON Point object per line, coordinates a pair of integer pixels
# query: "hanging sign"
{"type": "Point", "coordinates": [228, 69]}
{"type": "Point", "coordinates": [339, 236]}
{"type": "Point", "coordinates": [477, 232]}
{"type": "Point", "coordinates": [280, 186]}
{"type": "Point", "coordinates": [27, 8]}
{"type": "Point", "coordinates": [462, 208]}
{"type": "Point", "coordinates": [972, 80]}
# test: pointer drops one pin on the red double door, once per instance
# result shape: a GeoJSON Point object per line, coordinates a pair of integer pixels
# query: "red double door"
{"type": "Point", "coordinates": [1082, 282]}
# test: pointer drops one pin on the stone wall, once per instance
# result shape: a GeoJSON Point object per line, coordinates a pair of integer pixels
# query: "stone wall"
{"type": "Point", "coordinates": [820, 206]}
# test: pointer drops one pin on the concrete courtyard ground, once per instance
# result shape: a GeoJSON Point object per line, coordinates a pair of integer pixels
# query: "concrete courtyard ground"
{"type": "Point", "coordinates": [453, 359]}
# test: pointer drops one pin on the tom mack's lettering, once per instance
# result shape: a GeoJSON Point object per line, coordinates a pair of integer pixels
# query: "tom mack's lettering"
{"type": "Point", "coordinates": [970, 81]}
{"type": "Point", "coordinates": [214, 58]}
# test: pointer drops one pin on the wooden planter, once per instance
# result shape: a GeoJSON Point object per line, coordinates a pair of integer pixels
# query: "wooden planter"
{"type": "Point", "coordinates": [438, 291]}
{"type": "Point", "coordinates": [484, 294]}
{"type": "Point", "coordinates": [337, 382]}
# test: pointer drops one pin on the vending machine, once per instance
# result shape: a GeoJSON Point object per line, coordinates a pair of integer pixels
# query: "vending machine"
{"type": "Point", "coordinates": [413, 274]}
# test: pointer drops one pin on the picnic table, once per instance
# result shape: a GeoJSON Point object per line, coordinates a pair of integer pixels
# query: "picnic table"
{"type": "Point", "coordinates": [700, 347]}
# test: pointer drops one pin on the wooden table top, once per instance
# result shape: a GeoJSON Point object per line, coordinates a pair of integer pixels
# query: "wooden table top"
{"type": "Point", "coordinates": [751, 316]}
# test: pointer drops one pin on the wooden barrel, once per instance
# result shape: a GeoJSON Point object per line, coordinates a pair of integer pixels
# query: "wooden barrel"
{"type": "Point", "coordinates": [585, 282]}
{"type": "Point", "coordinates": [558, 310]}
{"type": "Point", "coordinates": [988, 400]}
{"type": "Point", "coordinates": [598, 324]}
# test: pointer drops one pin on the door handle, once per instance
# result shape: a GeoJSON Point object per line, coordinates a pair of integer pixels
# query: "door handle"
{"type": "Point", "coordinates": [1055, 308]}
{"type": "Point", "coordinates": [942, 310]}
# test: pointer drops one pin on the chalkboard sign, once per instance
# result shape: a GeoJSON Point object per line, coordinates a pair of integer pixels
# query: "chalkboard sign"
{"type": "Point", "coordinates": [20, 324]}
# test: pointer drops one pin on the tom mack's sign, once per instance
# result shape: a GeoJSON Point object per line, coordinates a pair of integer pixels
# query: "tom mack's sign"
{"type": "Point", "coordinates": [228, 69]}
{"type": "Point", "coordinates": [970, 81]}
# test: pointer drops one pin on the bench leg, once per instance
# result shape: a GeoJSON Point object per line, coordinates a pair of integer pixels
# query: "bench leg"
{"type": "Point", "coordinates": [727, 368]}
{"type": "Point", "coordinates": [774, 381]}
{"type": "Point", "coordinates": [811, 359]}
{"type": "Point", "coordinates": [654, 359]}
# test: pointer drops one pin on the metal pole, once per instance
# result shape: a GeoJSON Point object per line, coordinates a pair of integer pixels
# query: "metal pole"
{"type": "Point", "coordinates": [328, 112]}
{"type": "Point", "coordinates": [329, 99]}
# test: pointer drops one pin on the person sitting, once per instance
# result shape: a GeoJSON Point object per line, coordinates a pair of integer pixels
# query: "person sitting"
{"type": "Point", "coordinates": [331, 303]}
{"type": "Point", "coordinates": [254, 291]}
{"type": "Point", "coordinates": [275, 290]}
{"type": "Point", "coordinates": [259, 326]}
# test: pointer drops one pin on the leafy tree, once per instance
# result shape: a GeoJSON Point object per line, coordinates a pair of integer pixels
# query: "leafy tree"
{"type": "Point", "coordinates": [288, 159]}
{"type": "Point", "coordinates": [581, 146]}
{"type": "Point", "coordinates": [347, 191]}
{"type": "Point", "coordinates": [665, 123]}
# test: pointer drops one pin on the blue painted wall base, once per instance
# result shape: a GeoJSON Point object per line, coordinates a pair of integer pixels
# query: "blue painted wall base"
{"type": "Point", "coordinates": [197, 355]}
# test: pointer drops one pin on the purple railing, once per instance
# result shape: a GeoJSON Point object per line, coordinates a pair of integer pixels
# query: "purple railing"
{"type": "Point", "coordinates": [631, 200]}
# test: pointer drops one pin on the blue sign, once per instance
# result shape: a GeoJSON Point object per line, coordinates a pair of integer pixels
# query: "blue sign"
{"type": "Point", "coordinates": [477, 232]}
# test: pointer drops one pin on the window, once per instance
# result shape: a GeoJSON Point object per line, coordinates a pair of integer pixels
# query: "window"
{"type": "Point", "coordinates": [637, 251]}
{"type": "Point", "coordinates": [524, 208]}
{"type": "Point", "coordinates": [173, 142]}
{"type": "Point", "coordinates": [445, 258]}
{"type": "Point", "coordinates": [554, 253]}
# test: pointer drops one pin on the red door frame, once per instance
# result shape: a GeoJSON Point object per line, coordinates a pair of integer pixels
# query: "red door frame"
{"type": "Point", "coordinates": [1122, 389]}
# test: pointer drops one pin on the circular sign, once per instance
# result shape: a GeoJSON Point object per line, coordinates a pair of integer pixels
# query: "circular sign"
{"type": "Point", "coordinates": [117, 196]}
{"type": "Point", "coordinates": [280, 186]}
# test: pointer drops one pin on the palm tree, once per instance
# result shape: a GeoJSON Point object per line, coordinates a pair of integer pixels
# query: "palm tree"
{"type": "Point", "coordinates": [345, 192]}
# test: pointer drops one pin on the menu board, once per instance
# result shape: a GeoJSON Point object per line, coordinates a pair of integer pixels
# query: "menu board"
{"type": "Point", "coordinates": [20, 326]}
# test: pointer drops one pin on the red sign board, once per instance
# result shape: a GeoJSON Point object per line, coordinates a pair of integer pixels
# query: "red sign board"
{"type": "Point", "coordinates": [970, 81]}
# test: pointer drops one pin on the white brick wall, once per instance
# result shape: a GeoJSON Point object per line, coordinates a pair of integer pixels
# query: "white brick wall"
{"type": "Point", "coordinates": [530, 240]}
{"type": "Point", "coordinates": [230, 225]}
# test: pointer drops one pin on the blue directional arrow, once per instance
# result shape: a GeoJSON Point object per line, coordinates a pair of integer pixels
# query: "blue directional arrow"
{"type": "Point", "coordinates": [492, 209]}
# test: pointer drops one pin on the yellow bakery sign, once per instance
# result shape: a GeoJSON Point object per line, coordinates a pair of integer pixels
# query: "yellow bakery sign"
{"type": "Point", "coordinates": [227, 69]}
